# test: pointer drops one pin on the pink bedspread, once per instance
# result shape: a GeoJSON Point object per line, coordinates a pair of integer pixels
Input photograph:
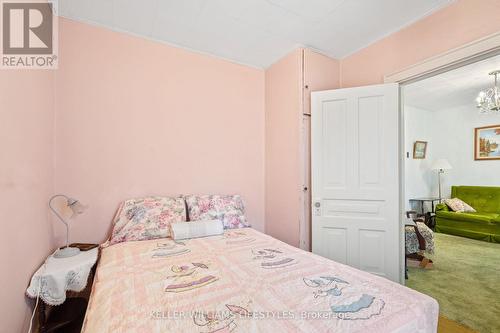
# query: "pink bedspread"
{"type": "Point", "coordinates": [244, 281]}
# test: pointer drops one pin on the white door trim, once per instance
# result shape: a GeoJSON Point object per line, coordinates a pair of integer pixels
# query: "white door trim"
{"type": "Point", "coordinates": [466, 54]}
{"type": "Point", "coordinates": [457, 57]}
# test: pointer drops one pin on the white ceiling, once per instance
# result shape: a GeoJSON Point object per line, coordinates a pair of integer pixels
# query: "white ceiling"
{"type": "Point", "coordinates": [455, 88]}
{"type": "Point", "coordinates": [255, 32]}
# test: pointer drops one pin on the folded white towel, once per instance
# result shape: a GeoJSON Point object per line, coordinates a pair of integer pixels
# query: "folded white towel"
{"type": "Point", "coordinates": [196, 229]}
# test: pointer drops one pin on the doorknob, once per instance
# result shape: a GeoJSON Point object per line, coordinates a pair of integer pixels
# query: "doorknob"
{"type": "Point", "coordinates": [317, 208]}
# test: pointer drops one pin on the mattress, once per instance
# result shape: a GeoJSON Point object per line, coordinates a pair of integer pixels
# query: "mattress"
{"type": "Point", "coordinates": [244, 281]}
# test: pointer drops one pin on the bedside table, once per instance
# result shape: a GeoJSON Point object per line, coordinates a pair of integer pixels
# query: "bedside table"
{"type": "Point", "coordinates": [51, 282]}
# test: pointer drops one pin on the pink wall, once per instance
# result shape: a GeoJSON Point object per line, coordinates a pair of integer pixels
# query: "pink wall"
{"type": "Point", "coordinates": [283, 114]}
{"type": "Point", "coordinates": [453, 26]}
{"type": "Point", "coordinates": [460, 23]}
{"type": "Point", "coordinates": [26, 182]}
{"type": "Point", "coordinates": [136, 117]}
{"type": "Point", "coordinates": [320, 73]}
{"type": "Point", "coordinates": [287, 137]}
{"type": "Point", "coordinates": [124, 109]}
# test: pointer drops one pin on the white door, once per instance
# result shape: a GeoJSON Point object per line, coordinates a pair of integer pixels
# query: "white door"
{"type": "Point", "coordinates": [355, 178]}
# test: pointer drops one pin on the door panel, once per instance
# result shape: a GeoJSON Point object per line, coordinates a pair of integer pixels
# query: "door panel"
{"type": "Point", "coordinates": [336, 239]}
{"type": "Point", "coordinates": [355, 177]}
{"type": "Point", "coordinates": [370, 126]}
{"type": "Point", "coordinates": [335, 150]}
{"type": "Point", "coordinates": [351, 207]}
{"type": "Point", "coordinates": [371, 245]}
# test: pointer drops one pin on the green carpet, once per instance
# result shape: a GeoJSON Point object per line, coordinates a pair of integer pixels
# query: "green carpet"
{"type": "Point", "coordinates": [465, 281]}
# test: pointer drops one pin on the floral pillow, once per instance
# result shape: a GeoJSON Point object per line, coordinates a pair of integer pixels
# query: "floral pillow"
{"type": "Point", "coordinates": [459, 206]}
{"type": "Point", "coordinates": [228, 209]}
{"type": "Point", "coordinates": [146, 218]}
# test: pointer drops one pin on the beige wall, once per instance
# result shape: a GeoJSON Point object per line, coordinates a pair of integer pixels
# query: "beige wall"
{"type": "Point", "coordinates": [26, 182]}
{"type": "Point", "coordinates": [136, 117]}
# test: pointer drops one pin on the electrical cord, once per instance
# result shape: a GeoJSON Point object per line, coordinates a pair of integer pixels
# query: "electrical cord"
{"type": "Point", "coordinates": [39, 290]}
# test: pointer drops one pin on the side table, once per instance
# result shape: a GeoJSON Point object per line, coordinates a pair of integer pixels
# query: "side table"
{"type": "Point", "coordinates": [422, 202]}
{"type": "Point", "coordinates": [54, 279]}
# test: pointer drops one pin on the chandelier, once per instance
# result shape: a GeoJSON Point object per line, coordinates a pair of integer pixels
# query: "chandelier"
{"type": "Point", "coordinates": [488, 101]}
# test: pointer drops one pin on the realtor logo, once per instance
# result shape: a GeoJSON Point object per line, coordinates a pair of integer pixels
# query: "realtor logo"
{"type": "Point", "coordinates": [28, 34]}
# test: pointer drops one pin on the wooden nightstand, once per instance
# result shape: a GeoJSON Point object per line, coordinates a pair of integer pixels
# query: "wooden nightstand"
{"type": "Point", "coordinates": [65, 282]}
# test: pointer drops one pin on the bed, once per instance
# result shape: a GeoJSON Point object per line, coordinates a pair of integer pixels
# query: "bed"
{"type": "Point", "coordinates": [244, 281]}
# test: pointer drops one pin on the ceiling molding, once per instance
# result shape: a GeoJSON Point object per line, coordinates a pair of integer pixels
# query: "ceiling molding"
{"type": "Point", "coordinates": [402, 27]}
{"type": "Point", "coordinates": [254, 33]}
{"type": "Point", "coordinates": [156, 40]}
{"type": "Point", "coordinates": [471, 52]}
{"type": "Point", "coordinates": [451, 89]}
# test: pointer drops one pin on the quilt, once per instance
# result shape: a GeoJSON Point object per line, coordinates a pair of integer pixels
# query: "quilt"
{"type": "Point", "coordinates": [244, 281]}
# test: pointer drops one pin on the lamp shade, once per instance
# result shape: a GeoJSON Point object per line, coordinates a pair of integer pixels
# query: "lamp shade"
{"type": "Point", "coordinates": [76, 206]}
{"type": "Point", "coordinates": [441, 164]}
{"type": "Point", "coordinates": [76, 209]}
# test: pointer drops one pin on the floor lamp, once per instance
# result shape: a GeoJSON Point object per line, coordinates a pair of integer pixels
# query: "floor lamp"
{"type": "Point", "coordinates": [440, 165]}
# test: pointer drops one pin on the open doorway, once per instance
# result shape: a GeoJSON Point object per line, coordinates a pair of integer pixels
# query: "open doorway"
{"type": "Point", "coordinates": [452, 188]}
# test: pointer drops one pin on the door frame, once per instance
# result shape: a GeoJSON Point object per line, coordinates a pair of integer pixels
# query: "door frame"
{"type": "Point", "coordinates": [466, 54]}
{"type": "Point", "coordinates": [477, 50]}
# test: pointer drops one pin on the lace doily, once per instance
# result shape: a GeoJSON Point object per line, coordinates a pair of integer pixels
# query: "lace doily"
{"type": "Point", "coordinates": [58, 275]}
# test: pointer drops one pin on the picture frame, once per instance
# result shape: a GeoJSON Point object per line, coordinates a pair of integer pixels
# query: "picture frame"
{"type": "Point", "coordinates": [487, 143]}
{"type": "Point", "coordinates": [419, 150]}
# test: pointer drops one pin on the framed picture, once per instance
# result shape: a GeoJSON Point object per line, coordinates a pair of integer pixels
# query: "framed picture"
{"type": "Point", "coordinates": [487, 143]}
{"type": "Point", "coordinates": [419, 149]}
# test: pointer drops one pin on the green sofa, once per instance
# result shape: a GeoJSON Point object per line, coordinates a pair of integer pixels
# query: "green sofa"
{"type": "Point", "coordinates": [482, 225]}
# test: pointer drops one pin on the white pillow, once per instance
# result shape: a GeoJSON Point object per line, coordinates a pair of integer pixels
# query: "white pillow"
{"type": "Point", "coordinates": [459, 206]}
{"type": "Point", "coordinates": [196, 229]}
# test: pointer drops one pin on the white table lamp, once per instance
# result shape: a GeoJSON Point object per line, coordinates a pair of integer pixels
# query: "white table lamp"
{"type": "Point", "coordinates": [77, 208]}
{"type": "Point", "coordinates": [440, 165]}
